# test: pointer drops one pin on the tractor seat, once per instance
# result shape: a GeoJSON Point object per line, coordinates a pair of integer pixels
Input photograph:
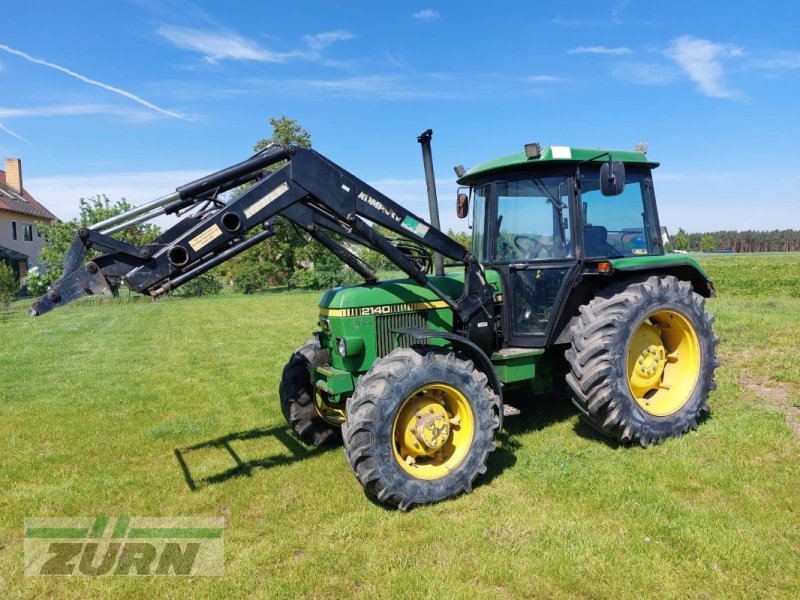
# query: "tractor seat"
{"type": "Point", "coordinates": [595, 242]}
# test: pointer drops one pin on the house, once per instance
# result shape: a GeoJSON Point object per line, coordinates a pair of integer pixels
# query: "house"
{"type": "Point", "coordinates": [21, 241]}
{"type": "Point", "coordinates": [664, 236]}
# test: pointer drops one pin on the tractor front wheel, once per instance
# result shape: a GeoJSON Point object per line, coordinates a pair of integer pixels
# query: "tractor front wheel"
{"type": "Point", "coordinates": [310, 417]}
{"type": "Point", "coordinates": [420, 426]}
{"type": "Point", "coordinates": [642, 360]}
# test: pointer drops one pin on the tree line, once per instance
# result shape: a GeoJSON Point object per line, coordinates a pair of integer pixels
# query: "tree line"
{"type": "Point", "coordinates": [779, 240]}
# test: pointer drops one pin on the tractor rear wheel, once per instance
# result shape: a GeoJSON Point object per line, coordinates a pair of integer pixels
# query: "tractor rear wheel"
{"type": "Point", "coordinates": [642, 360]}
{"type": "Point", "coordinates": [309, 416]}
{"type": "Point", "coordinates": [420, 427]}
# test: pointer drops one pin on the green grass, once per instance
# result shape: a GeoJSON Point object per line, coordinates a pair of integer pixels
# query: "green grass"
{"type": "Point", "coordinates": [95, 400]}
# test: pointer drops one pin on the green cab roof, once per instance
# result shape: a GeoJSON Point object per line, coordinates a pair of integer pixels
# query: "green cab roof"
{"type": "Point", "coordinates": [553, 155]}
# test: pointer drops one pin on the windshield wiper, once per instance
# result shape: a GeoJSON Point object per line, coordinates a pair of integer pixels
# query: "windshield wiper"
{"type": "Point", "coordinates": [554, 200]}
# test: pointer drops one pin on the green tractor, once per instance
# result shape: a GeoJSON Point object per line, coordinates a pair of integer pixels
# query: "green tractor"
{"type": "Point", "coordinates": [566, 281]}
{"type": "Point", "coordinates": [573, 251]}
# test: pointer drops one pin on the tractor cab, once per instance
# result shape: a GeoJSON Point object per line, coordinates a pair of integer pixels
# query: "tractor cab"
{"type": "Point", "coordinates": [545, 217]}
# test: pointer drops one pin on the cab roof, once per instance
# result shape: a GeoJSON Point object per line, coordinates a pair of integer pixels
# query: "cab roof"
{"type": "Point", "coordinates": [553, 155]}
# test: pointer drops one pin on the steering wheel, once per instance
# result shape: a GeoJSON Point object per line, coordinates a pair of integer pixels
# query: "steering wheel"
{"type": "Point", "coordinates": [529, 245]}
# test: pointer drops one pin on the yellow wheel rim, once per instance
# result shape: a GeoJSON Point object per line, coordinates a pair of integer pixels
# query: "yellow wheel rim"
{"type": "Point", "coordinates": [663, 362]}
{"type": "Point", "coordinates": [331, 413]}
{"type": "Point", "coordinates": [432, 431]}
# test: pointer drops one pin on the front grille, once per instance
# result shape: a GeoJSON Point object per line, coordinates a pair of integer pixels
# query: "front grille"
{"type": "Point", "coordinates": [385, 323]}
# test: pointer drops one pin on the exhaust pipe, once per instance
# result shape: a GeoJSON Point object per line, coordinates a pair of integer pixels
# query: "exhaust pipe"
{"type": "Point", "coordinates": [433, 203]}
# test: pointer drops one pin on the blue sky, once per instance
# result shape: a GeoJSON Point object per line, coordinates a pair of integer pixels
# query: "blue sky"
{"type": "Point", "coordinates": [133, 98]}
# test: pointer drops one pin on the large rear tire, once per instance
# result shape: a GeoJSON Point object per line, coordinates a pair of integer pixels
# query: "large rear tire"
{"type": "Point", "coordinates": [299, 403]}
{"type": "Point", "coordinates": [420, 426]}
{"type": "Point", "coordinates": [642, 360]}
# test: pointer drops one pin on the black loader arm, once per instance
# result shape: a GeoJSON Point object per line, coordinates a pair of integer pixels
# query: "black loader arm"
{"type": "Point", "coordinates": [312, 192]}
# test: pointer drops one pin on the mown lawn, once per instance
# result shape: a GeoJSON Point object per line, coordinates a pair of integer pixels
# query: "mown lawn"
{"type": "Point", "coordinates": [98, 402]}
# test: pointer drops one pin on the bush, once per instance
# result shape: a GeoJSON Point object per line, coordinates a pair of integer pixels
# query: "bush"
{"type": "Point", "coordinates": [38, 282]}
{"type": "Point", "coordinates": [203, 285]}
{"type": "Point", "coordinates": [8, 284]}
{"type": "Point", "coordinates": [322, 278]}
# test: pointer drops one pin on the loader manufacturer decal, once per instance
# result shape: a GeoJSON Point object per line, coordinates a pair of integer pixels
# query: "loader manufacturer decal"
{"type": "Point", "coordinates": [205, 238]}
{"type": "Point", "coordinates": [385, 309]}
{"type": "Point", "coordinates": [415, 226]}
{"type": "Point", "coordinates": [259, 204]}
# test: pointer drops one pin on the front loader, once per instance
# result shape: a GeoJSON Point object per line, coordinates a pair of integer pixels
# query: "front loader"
{"type": "Point", "coordinates": [566, 280]}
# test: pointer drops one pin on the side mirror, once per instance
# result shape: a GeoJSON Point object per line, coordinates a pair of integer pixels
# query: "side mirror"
{"type": "Point", "coordinates": [462, 206]}
{"type": "Point", "coordinates": [612, 178]}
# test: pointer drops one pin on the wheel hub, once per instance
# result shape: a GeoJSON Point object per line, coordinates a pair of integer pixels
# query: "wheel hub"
{"type": "Point", "coordinates": [663, 362]}
{"type": "Point", "coordinates": [651, 362]}
{"type": "Point", "coordinates": [432, 430]}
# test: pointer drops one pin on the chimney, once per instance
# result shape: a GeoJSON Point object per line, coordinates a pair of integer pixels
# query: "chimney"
{"type": "Point", "coordinates": [14, 174]}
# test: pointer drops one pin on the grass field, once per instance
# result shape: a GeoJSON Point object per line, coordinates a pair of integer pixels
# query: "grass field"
{"type": "Point", "coordinates": [97, 402]}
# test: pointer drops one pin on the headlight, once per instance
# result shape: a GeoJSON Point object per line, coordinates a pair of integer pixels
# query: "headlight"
{"type": "Point", "coordinates": [349, 346]}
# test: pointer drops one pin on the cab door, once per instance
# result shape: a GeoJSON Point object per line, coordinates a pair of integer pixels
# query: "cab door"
{"type": "Point", "coordinates": [532, 248]}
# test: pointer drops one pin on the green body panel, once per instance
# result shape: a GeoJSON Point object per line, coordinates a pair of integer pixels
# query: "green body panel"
{"type": "Point", "coordinates": [369, 311]}
{"type": "Point", "coordinates": [397, 291]}
{"type": "Point", "coordinates": [640, 263]}
{"type": "Point", "coordinates": [516, 366]}
{"type": "Point", "coordinates": [334, 382]}
{"type": "Point", "coordinates": [552, 155]}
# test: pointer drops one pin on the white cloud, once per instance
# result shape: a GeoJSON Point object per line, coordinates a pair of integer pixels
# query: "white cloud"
{"type": "Point", "coordinates": [12, 134]}
{"type": "Point", "coordinates": [785, 60]}
{"type": "Point", "coordinates": [319, 41]}
{"type": "Point", "coordinates": [426, 15]}
{"type": "Point", "coordinates": [569, 22]}
{"type": "Point", "coordinates": [380, 87]}
{"type": "Point", "coordinates": [644, 73]}
{"type": "Point", "coordinates": [600, 50]}
{"type": "Point", "coordinates": [78, 110]}
{"type": "Point", "coordinates": [226, 45]}
{"type": "Point", "coordinates": [701, 60]}
{"type": "Point", "coordinates": [617, 10]}
{"type": "Point", "coordinates": [543, 79]}
{"type": "Point", "coordinates": [93, 82]}
{"type": "Point", "coordinates": [397, 61]}
{"type": "Point", "coordinates": [217, 46]}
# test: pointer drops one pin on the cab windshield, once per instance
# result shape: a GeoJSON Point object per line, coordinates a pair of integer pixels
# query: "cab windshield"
{"type": "Point", "coordinates": [532, 219]}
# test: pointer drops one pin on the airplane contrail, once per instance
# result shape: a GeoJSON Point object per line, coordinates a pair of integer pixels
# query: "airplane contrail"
{"type": "Point", "coordinates": [11, 133]}
{"type": "Point", "coordinates": [99, 84]}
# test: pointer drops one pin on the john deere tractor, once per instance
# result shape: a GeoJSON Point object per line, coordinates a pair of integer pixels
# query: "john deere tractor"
{"type": "Point", "coordinates": [566, 280]}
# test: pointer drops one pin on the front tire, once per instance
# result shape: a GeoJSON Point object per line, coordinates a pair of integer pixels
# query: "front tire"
{"type": "Point", "coordinates": [642, 360]}
{"type": "Point", "coordinates": [420, 426]}
{"type": "Point", "coordinates": [298, 400]}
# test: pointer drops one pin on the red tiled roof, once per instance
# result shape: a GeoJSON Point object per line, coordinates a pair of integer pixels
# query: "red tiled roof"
{"type": "Point", "coordinates": [9, 200]}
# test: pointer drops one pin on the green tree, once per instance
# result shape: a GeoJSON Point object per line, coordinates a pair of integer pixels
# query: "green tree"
{"type": "Point", "coordinates": [681, 240]}
{"type": "Point", "coordinates": [8, 284]}
{"type": "Point", "coordinates": [288, 257]}
{"type": "Point", "coordinates": [708, 243]}
{"type": "Point", "coordinates": [59, 236]}
{"type": "Point", "coordinates": [285, 131]}
{"type": "Point", "coordinates": [463, 238]}
{"type": "Point", "coordinates": [272, 262]}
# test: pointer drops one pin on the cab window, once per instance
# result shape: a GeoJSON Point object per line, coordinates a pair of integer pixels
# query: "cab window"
{"type": "Point", "coordinates": [614, 226]}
